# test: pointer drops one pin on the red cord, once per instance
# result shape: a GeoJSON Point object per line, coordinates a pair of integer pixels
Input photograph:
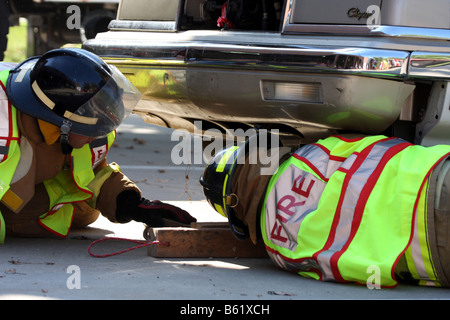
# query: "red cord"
{"type": "Point", "coordinates": [141, 243]}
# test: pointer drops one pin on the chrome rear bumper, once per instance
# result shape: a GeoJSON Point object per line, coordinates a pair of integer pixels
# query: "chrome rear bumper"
{"type": "Point", "coordinates": [169, 48]}
{"type": "Point", "coordinates": [361, 89]}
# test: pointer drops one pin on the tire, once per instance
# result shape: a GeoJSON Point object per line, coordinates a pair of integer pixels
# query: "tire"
{"type": "Point", "coordinates": [4, 27]}
{"type": "Point", "coordinates": [95, 22]}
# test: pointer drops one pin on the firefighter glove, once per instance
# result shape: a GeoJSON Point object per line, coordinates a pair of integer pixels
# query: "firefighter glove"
{"type": "Point", "coordinates": [131, 206]}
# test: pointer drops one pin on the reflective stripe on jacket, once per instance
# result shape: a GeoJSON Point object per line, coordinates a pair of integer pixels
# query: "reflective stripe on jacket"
{"type": "Point", "coordinates": [9, 145]}
{"type": "Point", "coordinates": [339, 207]}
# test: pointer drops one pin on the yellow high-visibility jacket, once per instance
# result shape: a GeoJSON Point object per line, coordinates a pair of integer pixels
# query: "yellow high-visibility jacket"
{"type": "Point", "coordinates": [340, 208]}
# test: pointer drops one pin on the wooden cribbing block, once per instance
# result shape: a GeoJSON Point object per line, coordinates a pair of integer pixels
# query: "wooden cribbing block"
{"type": "Point", "coordinates": [201, 240]}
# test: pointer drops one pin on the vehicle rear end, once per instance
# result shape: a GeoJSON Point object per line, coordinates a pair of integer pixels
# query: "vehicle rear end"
{"type": "Point", "coordinates": [310, 68]}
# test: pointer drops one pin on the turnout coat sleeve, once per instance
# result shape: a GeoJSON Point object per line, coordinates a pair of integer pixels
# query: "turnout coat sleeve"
{"type": "Point", "coordinates": [116, 183]}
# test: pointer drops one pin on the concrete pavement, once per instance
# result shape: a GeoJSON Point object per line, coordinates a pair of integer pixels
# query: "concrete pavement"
{"type": "Point", "coordinates": [63, 269]}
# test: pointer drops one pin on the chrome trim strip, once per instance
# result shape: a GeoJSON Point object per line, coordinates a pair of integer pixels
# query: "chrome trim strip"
{"type": "Point", "coordinates": [382, 63]}
{"type": "Point", "coordinates": [362, 30]}
{"type": "Point", "coordinates": [368, 62]}
{"type": "Point", "coordinates": [430, 65]}
{"type": "Point", "coordinates": [142, 25]}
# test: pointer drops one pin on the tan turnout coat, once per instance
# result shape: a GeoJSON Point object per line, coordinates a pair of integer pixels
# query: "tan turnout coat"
{"type": "Point", "coordinates": [42, 162]}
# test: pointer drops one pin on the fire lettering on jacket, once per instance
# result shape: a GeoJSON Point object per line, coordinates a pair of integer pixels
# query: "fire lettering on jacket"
{"type": "Point", "coordinates": [100, 153]}
{"type": "Point", "coordinates": [287, 204]}
{"type": "Point", "coordinates": [276, 233]}
{"type": "Point", "coordinates": [298, 189]}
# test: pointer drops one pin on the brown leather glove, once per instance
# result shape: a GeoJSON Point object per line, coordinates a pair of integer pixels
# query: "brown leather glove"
{"type": "Point", "coordinates": [130, 206]}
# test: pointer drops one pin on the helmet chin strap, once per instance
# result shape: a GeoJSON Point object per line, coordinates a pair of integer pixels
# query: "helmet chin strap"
{"type": "Point", "coordinates": [66, 148]}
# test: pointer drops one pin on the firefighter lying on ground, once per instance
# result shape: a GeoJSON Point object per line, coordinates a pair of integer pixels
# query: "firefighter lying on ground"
{"type": "Point", "coordinates": [342, 209]}
{"type": "Point", "coordinates": [58, 118]}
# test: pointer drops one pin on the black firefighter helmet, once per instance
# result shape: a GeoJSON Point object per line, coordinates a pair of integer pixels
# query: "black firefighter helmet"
{"type": "Point", "coordinates": [216, 183]}
{"type": "Point", "coordinates": [232, 171]}
{"type": "Point", "coordinates": [72, 89]}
